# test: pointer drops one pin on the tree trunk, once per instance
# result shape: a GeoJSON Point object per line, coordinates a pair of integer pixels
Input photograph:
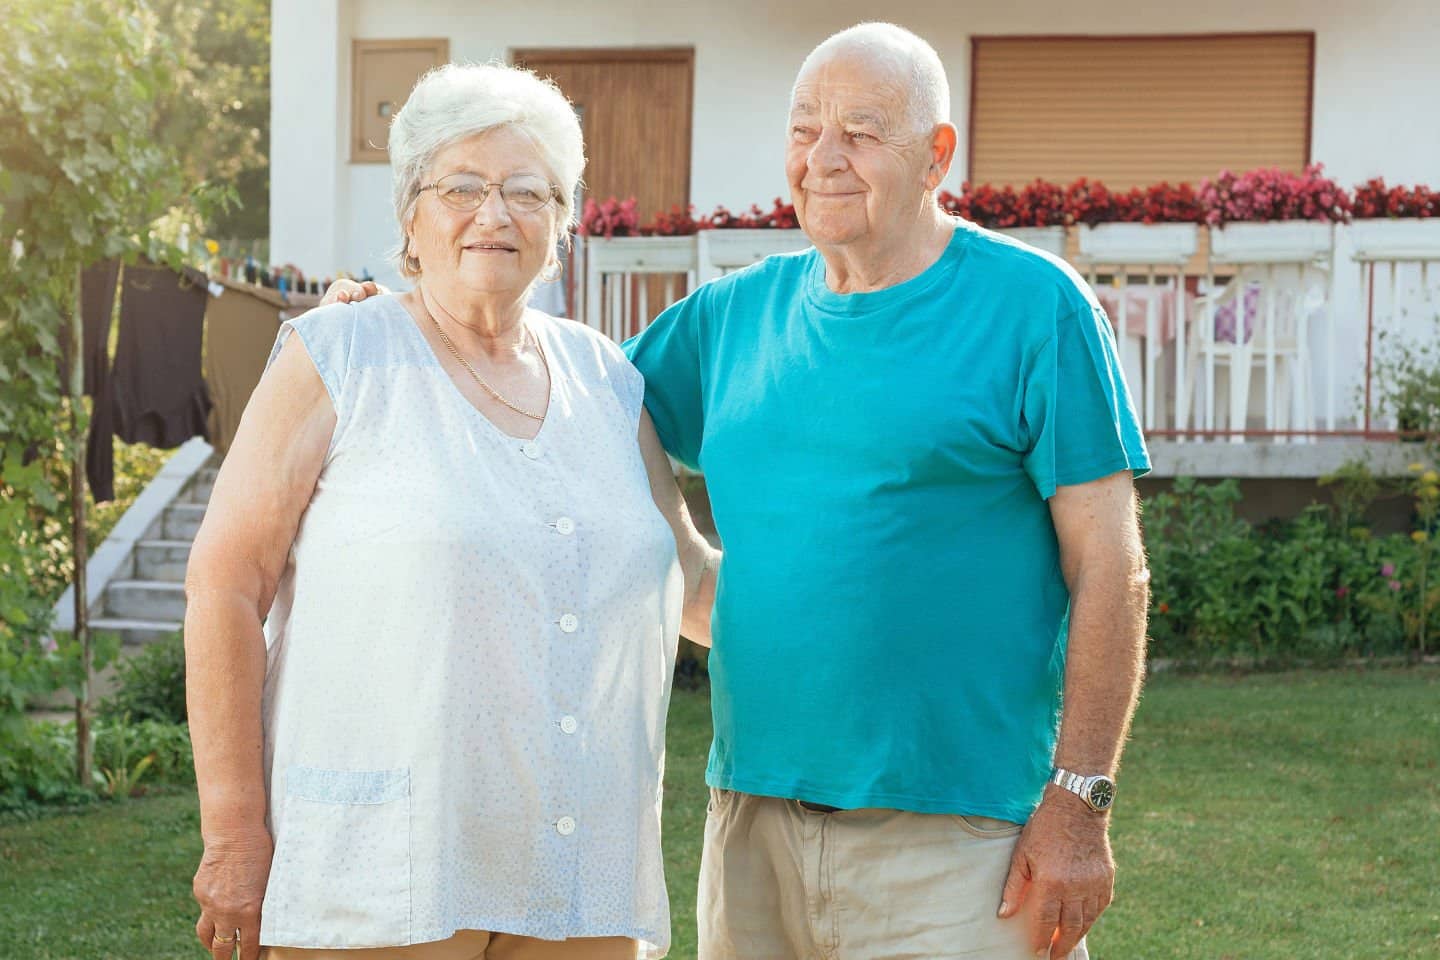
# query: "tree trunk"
{"type": "Point", "coordinates": [77, 527]}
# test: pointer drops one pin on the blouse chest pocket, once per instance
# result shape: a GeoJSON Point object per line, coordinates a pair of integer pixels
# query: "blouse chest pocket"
{"type": "Point", "coordinates": [341, 870]}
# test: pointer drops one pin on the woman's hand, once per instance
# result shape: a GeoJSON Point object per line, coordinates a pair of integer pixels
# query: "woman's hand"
{"type": "Point", "coordinates": [351, 291]}
{"type": "Point", "coordinates": [699, 561]}
{"type": "Point", "coordinates": [230, 886]}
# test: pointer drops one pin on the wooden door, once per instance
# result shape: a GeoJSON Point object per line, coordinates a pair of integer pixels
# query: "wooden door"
{"type": "Point", "coordinates": [635, 111]}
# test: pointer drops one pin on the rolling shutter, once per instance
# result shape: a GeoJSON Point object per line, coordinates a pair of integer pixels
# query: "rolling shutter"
{"type": "Point", "coordinates": [1131, 111]}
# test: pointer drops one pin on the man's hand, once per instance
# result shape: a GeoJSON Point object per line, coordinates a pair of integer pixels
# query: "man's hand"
{"type": "Point", "coordinates": [1063, 868]}
{"type": "Point", "coordinates": [350, 291]}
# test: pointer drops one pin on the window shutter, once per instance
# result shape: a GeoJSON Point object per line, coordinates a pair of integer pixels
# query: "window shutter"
{"type": "Point", "coordinates": [1131, 111]}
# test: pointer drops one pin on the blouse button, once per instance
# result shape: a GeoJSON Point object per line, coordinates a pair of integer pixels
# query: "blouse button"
{"type": "Point", "coordinates": [565, 826]}
{"type": "Point", "coordinates": [569, 724]}
{"type": "Point", "coordinates": [569, 623]}
{"type": "Point", "coordinates": [565, 525]}
{"type": "Point", "coordinates": [531, 449]}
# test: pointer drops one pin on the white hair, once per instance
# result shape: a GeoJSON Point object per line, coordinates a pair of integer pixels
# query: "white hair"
{"type": "Point", "coordinates": [913, 60]}
{"type": "Point", "coordinates": [457, 101]}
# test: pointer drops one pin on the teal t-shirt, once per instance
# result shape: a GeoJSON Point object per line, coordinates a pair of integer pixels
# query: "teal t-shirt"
{"type": "Point", "coordinates": [889, 626]}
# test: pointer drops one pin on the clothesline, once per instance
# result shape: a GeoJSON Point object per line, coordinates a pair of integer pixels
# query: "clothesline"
{"type": "Point", "coordinates": [191, 349]}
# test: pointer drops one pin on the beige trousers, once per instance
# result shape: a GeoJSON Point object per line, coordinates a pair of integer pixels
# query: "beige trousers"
{"type": "Point", "coordinates": [779, 882]}
{"type": "Point", "coordinates": [475, 945]}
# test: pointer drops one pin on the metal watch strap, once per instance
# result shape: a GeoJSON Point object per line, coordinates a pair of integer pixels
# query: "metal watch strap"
{"type": "Point", "coordinates": [1080, 786]}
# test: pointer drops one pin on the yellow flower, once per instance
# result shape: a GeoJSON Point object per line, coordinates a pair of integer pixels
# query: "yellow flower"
{"type": "Point", "coordinates": [1416, 467]}
{"type": "Point", "coordinates": [1419, 536]}
{"type": "Point", "coordinates": [1429, 492]}
{"type": "Point", "coordinates": [1430, 476]}
{"type": "Point", "coordinates": [212, 247]}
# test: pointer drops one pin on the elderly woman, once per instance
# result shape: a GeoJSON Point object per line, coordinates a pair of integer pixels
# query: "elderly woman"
{"type": "Point", "coordinates": [452, 722]}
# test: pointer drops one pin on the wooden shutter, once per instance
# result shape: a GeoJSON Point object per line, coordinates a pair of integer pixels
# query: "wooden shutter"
{"type": "Point", "coordinates": [1131, 111]}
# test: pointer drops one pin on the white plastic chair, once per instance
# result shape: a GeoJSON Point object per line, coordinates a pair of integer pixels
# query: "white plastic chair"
{"type": "Point", "coordinates": [1272, 305]}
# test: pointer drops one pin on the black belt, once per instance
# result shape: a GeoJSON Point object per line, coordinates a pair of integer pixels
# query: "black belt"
{"type": "Point", "coordinates": [818, 807]}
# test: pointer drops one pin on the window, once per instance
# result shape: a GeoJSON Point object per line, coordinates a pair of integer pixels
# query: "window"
{"type": "Point", "coordinates": [1131, 111]}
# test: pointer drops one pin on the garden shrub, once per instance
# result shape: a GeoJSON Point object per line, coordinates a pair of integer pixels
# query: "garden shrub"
{"type": "Point", "coordinates": [151, 684]}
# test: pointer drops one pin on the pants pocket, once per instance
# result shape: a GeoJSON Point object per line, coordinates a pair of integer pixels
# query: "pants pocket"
{"type": "Point", "coordinates": [987, 828]}
{"type": "Point", "coordinates": [340, 876]}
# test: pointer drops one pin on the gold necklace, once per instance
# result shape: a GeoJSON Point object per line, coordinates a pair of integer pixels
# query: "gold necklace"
{"type": "Point", "coordinates": [479, 379]}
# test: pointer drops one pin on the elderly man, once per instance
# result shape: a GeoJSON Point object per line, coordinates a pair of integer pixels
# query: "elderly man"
{"type": "Point", "coordinates": [919, 450]}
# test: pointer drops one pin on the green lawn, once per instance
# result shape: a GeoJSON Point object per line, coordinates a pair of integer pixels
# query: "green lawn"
{"type": "Point", "coordinates": [1269, 816]}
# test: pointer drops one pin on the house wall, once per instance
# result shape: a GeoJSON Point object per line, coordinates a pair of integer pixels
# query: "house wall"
{"type": "Point", "coordinates": [1375, 78]}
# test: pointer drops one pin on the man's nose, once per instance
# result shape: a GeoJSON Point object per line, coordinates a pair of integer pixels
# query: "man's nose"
{"type": "Point", "coordinates": [827, 154]}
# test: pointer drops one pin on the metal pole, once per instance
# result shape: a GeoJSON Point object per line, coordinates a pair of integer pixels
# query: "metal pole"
{"type": "Point", "coordinates": [77, 527]}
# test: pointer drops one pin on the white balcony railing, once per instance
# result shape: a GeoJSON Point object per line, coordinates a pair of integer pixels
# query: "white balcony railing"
{"type": "Point", "coordinates": [1275, 338]}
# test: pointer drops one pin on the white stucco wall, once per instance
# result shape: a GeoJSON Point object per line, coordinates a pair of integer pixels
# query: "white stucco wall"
{"type": "Point", "coordinates": [1376, 83]}
{"type": "Point", "coordinates": [1376, 77]}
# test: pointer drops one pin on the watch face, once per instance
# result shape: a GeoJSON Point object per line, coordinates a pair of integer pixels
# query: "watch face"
{"type": "Point", "coordinates": [1101, 793]}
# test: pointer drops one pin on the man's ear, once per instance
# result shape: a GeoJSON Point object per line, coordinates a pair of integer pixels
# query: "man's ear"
{"type": "Point", "coordinates": [942, 154]}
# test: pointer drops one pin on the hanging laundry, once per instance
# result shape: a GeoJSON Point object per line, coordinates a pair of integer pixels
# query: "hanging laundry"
{"type": "Point", "coordinates": [157, 389]}
{"type": "Point", "coordinates": [241, 323]}
{"type": "Point", "coordinates": [97, 307]}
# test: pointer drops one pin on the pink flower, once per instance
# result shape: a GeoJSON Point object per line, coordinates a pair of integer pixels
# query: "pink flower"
{"type": "Point", "coordinates": [1388, 570]}
{"type": "Point", "coordinates": [1394, 585]}
{"type": "Point", "coordinates": [1341, 591]}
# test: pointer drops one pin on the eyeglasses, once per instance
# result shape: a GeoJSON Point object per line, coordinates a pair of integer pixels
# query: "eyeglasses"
{"type": "Point", "coordinates": [467, 192]}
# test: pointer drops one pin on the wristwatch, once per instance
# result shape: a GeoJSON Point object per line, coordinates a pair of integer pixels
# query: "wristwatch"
{"type": "Point", "coordinates": [1098, 791]}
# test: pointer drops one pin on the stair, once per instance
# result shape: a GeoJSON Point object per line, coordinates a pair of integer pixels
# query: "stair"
{"type": "Point", "coordinates": [146, 599]}
{"type": "Point", "coordinates": [136, 586]}
{"type": "Point", "coordinates": [162, 560]}
{"type": "Point", "coordinates": [182, 521]}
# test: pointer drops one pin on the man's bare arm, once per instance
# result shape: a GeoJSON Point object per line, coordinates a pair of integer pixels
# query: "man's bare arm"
{"type": "Point", "coordinates": [1062, 864]}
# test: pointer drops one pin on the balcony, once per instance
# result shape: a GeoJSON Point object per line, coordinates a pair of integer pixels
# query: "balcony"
{"type": "Point", "coordinates": [1248, 352]}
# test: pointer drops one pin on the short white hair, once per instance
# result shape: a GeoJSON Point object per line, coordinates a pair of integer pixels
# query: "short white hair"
{"type": "Point", "coordinates": [914, 61]}
{"type": "Point", "coordinates": [457, 101]}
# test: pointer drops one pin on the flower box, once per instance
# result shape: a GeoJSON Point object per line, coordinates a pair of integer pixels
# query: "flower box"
{"type": "Point", "coordinates": [1278, 241]}
{"type": "Point", "coordinates": [1410, 238]}
{"type": "Point", "coordinates": [641, 254]}
{"type": "Point", "coordinates": [1049, 239]}
{"type": "Point", "coordinates": [724, 250]}
{"type": "Point", "coordinates": [1138, 243]}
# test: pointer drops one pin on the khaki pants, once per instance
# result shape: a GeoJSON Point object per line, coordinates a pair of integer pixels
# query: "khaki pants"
{"type": "Point", "coordinates": [779, 882]}
{"type": "Point", "coordinates": [475, 945]}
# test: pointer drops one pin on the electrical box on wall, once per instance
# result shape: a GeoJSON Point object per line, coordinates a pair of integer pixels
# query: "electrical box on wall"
{"type": "Point", "coordinates": [383, 72]}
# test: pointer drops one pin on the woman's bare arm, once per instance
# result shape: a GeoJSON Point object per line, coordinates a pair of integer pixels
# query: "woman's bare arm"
{"type": "Point", "coordinates": [699, 561]}
{"type": "Point", "coordinates": [235, 566]}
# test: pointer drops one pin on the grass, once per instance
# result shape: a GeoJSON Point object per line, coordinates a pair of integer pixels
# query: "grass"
{"type": "Point", "coordinates": [1263, 817]}
{"type": "Point", "coordinates": [1280, 816]}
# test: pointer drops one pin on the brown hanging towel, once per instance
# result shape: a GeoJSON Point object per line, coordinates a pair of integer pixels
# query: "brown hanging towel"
{"type": "Point", "coordinates": [241, 323]}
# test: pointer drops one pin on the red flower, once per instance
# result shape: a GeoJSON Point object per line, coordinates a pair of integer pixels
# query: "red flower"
{"type": "Point", "coordinates": [609, 218]}
{"type": "Point", "coordinates": [676, 223]}
{"type": "Point", "coordinates": [1273, 194]}
{"type": "Point", "coordinates": [1037, 204]}
{"type": "Point", "coordinates": [780, 217]}
{"type": "Point", "coordinates": [1374, 200]}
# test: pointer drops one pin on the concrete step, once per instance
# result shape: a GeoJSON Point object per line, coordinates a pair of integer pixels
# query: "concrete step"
{"type": "Point", "coordinates": [136, 633]}
{"type": "Point", "coordinates": [182, 521]}
{"type": "Point", "coordinates": [145, 600]}
{"type": "Point", "coordinates": [162, 560]}
{"type": "Point", "coordinates": [200, 488]}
